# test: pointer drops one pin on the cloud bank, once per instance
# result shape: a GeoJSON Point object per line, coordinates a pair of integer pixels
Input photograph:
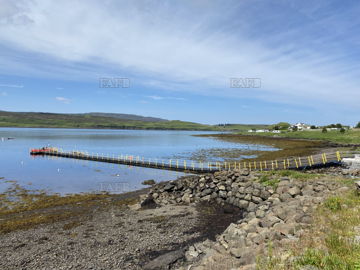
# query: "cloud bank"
{"type": "Point", "coordinates": [303, 53]}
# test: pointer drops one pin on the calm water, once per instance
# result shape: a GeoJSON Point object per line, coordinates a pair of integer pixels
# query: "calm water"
{"type": "Point", "coordinates": [71, 176]}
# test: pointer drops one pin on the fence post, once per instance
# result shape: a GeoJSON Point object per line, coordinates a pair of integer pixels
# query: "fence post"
{"type": "Point", "coordinates": [296, 163]}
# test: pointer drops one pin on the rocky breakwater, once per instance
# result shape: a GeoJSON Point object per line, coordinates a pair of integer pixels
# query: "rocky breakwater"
{"type": "Point", "coordinates": [276, 211]}
{"type": "Point", "coordinates": [228, 187]}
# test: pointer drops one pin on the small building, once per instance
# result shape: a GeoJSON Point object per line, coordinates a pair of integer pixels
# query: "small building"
{"type": "Point", "coordinates": [276, 131]}
{"type": "Point", "coordinates": [300, 126]}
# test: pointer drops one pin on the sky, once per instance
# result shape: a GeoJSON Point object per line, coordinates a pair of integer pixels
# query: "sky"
{"type": "Point", "coordinates": [191, 60]}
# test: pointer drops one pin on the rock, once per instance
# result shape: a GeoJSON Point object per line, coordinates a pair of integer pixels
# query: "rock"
{"type": "Point", "coordinates": [222, 194]}
{"type": "Point", "coordinates": [149, 182]}
{"type": "Point", "coordinates": [285, 229]}
{"type": "Point", "coordinates": [206, 192]}
{"type": "Point", "coordinates": [246, 255]}
{"type": "Point", "coordinates": [163, 261]}
{"type": "Point", "coordinates": [294, 191]}
{"type": "Point", "coordinates": [260, 213]}
{"type": "Point", "coordinates": [285, 197]}
{"type": "Point", "coordinates": [269, 221]}
{"type": "Point", "coordinates": [186, 198]}
{"type": "Point", "coordinates": [243, 204]}
{"type": "Point", "coordinates": [191, 254]}
{"type": "Point", "coordinates": [148, 203]}
{"type": "Point", "coordinates": [169, 187]}
{"type": "Point", "coordinates": [206, 198]}
{"type": "Point", "coordinates": [251, 207]}
{"type": "Point", "coordinates": [256, 200]}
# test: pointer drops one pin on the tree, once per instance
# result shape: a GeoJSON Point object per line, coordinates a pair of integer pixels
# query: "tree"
{"type": "Point", "coordinates": [342, 130]}
{"type": "Point", "coordinates": [295, 128]}
{"type": "Point", "coordinates": [339, 125]}
{"type": "Point", "coordinates": [281, 126]}
{"type": "Point", "coordinates": [324, 130]}
{"type": "Point", "coordinates": [313, 127]}
{"type": "Point", "coordinates": [358, 125]}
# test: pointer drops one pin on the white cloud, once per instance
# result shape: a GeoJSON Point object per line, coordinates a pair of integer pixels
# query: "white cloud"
{"type": "Point", "coordinates": [12, 85]}
{"type": "Point", "coordinates": [162, 98]}
{"type": "Point", "coordinates": [3, 94]}
{"type": "Point", "coordinates": [193, 46]}
{"type": "Point", "coordinates": [63, 100]}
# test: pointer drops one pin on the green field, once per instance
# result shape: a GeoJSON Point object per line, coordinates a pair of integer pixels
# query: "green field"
{"type": "Point", "coordinates": [349, 137]}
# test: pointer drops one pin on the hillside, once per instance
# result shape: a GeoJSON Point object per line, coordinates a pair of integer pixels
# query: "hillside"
{"type": "Point", "coordinates": [93, 120]}
{"type": "Point", "coordinates": [124, 116]}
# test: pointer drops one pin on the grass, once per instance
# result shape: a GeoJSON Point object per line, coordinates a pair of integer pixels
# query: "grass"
{"type": "Point", "coordinates": [349, 137]}
{"type": "Point", "coordinates": [273, 178]}
{"type": "Point", "coordinates": [332, 243]}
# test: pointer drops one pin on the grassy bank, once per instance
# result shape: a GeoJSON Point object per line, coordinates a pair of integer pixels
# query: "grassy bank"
{"type": "Point", "coordinates": [348, 137]}
{"type": "Point", "coordinates": [332, 242]}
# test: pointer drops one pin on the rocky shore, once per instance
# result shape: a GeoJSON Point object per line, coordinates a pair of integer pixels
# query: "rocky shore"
{"type": "Point", "coordinates": [213, 221]}
{"type": "Point", "coordinates": [274, 212]}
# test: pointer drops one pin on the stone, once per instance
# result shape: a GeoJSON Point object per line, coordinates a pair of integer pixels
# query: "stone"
{"type": "Point", "coordinates": [206, 192]}
{"type": "Point", "coordinates": [269, 221]}
{"type": "Point", "coordinates": [285, 197]}
{"type": "Point", "coordinates": [285, 228]}
{"type": "Point", "coordinates": [248, 197]}
{"type": "Point", "coordinates": [256, 200]}
{"type": "Point", "coordinates": [221, 187]}
{"type": "Point", "coordinates": [165, 260]}
{"type": "Point", "coordinates": [243, 204]}
{"type": "Point", "coordinates": [169, 187]}
{"type": "Point", "coordinates": [251, 207]}
{"type": "Point", "coordinates": [264, 194]}
{"type": "Point", "coordinates": [222, 194]}
{"type": "Point", "coordinates": [206, 198]}
{"type": "Point", "coordinates": [294, 191]}
{"type": "Point", "coordinates": [191, 253]}
{"type": "Point", "coordinates": [260, 213]}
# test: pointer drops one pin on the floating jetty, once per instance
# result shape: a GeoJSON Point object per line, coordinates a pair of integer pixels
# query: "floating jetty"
{"type": "Point", "coordinates": [297, 163]}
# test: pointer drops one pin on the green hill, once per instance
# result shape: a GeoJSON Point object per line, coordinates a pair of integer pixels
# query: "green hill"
{"type": "Point", "coordinates": [93, 120]}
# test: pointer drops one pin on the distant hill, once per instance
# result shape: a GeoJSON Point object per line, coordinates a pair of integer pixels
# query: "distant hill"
{"type": "Point", "coordinates": [94, 120]}
{"type": "Point", "coordinates": [127, 117]}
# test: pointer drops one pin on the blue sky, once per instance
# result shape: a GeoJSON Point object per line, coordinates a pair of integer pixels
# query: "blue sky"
{"type": "Point", "coordinates": [179, 57]}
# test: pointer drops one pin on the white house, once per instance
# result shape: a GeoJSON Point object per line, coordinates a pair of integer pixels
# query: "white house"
{"type": "Point", "coordinates": [300, 126]}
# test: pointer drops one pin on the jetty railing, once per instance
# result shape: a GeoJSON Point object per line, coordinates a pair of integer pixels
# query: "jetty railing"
{"type": "Point", "coordinates": [305, 162]}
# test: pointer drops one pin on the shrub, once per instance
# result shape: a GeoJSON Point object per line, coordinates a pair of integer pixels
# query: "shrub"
{"type": "Point", "coordinates": [333, 204]}
{"type": "Point", "coordinates": [324, 130]}
{"type": "Point", "coordinates": [342, 130]}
